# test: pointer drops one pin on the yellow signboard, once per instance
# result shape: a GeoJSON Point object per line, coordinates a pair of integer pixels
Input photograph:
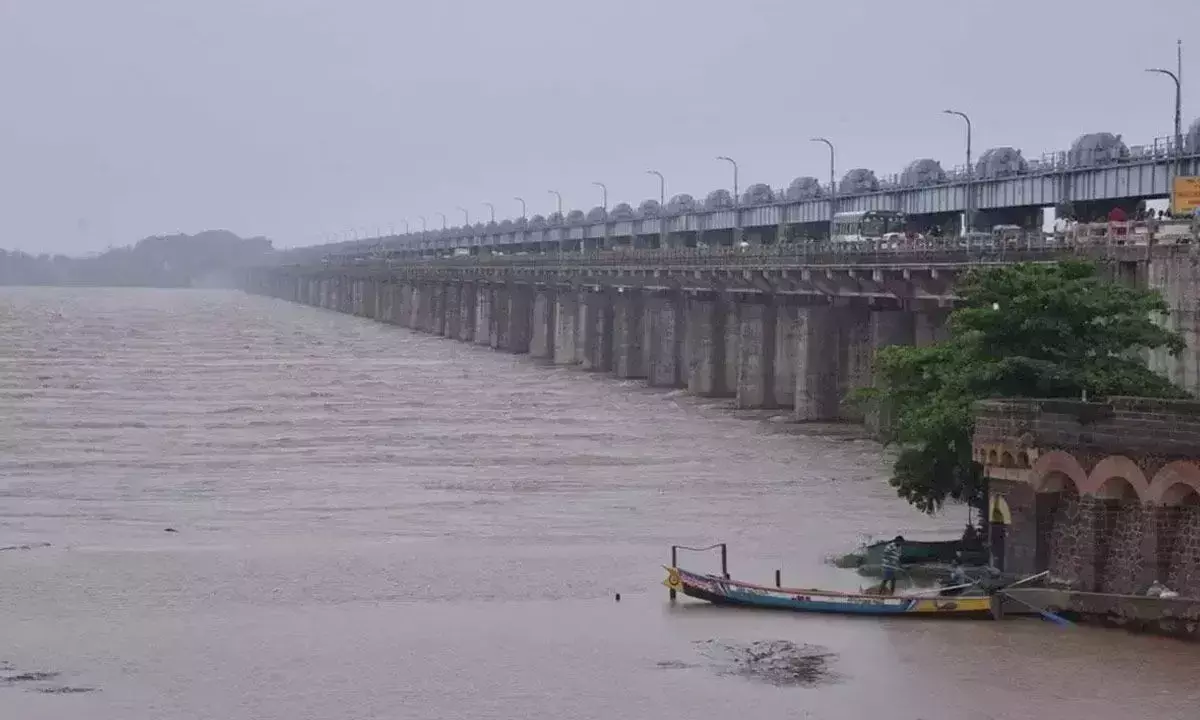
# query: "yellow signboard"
{"type": "Point", "coordinates": [1185, 195]}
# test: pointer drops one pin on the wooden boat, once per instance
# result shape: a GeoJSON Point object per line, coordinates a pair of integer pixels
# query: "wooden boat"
{"type": "Point", "coordinates": [723, 591]}
{"type": "Point", "coordinates": [916, 552]}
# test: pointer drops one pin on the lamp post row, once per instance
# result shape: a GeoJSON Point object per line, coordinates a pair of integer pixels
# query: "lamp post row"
{"type": "Point", "coordinates": [968, 186]}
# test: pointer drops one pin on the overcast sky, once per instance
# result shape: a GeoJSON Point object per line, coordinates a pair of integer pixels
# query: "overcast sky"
{"type": "Point", "coordinates": [299, 118]}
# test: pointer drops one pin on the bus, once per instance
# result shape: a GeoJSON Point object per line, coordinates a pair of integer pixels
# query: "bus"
{"type": "Point", "coordinates": [863, 225]}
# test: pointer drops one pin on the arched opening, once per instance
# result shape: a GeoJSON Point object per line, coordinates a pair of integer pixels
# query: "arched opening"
{"type": "Point", "coordinates": [1177, 490]}
{"type": "Point", "coordinates": [1118, 489]}
{"type": "Point", "coordinates": [1121, 526]}
{"type": "Point", "coordinates": [993, 458]}
{"type": "Point", "coordinates": [1007, 460]}
{"type": "Point", "coordinates": [1058, 509]}
{"type": "Point", "coordinates": [1023, 459]}
{"type": "Point", "coordinates": [1181, 495]}
{"type": "Point", "coordinates": [1000, 518]}
{"type": "Point", "coordinates": [1057, 479]}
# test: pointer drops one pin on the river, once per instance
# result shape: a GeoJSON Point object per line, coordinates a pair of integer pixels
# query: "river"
{"type": "Point", "coordinates": [228, 507]}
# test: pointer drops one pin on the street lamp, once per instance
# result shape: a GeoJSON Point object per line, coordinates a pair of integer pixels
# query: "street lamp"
{"type": "Point", "coordinates": [832, 180]}
{"type": "Point", "coordinates": [445, 225]}
{"type": "Point", "coordinates": [492, 208]}
{"type": "Point", "coordinates": [406, 230]}
{"type": "Point", "coordinates": [558, 195]}
{"type": "Point", "coordinates": [968, 215]}
{"type": "Point", "coordinates": [522, 201]}
{"type": "Point", "coordinates": [1178, 102]}
{"type": "Point", "coordinates": [603, 195]}
{"type": "Point", "coordinates": [424, 224]}
{"type": "Point", "coordinates": [466, 216]}
{"type": "Point", "coordinates": [732, 162]}
{"type": "Point", "coordinates": [662, 186]}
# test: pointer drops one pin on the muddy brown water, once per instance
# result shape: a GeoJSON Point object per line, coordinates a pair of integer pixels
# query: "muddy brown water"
{"type": "Point", "coordinates": [372, 523]}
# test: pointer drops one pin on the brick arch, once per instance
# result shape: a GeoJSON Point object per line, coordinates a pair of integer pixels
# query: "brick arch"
{"type": "Point", "coordinates": [1055, 463]}
{"type": "Point", "coordinates": [1113, 467]}
{"type": "Point", "coordinates": [1165, 485]}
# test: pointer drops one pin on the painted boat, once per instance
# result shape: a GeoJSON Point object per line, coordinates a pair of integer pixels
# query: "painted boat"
{"type": "Point", "coordinates": [723, 591]}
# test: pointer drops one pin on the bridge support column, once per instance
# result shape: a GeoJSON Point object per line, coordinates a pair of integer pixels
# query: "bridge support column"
{"type": "Point", "coordinates": [348, 295]}
{"type": "Point", "coordinates": [518, 319]}
{"type": "Point", "coordinates": [498, 316]}
{"type": "Point", "coordinates": [397, 293]}
{"type": "Point", "coordinates": [931, 326]}
{"type": "Point", "coordinates": [383, 302]}
{"type": "Point", "coordinates": [415, 305]}
{"type": "Point", "coordinates": [483, 314]}
{"type": "Point", "coordinates": [437, 307]}
{"type": "Point", "coordinates": [359, 289]}
{"type": "Point", "coordinates": [732, 327]}
{"type": "Point", "coordinates": [787, 347]}
{"type": "Point", "coordinates": [888, 327]}
{"type": "Point", "coordinates": [629, 355]}
{"type": "Point", "coordinates": [817, 396]}
{"type": "Point", "coordinates": [855, 351]}
{"type": "Point", "coordinates": [566, 317]}
{"type": "Point", "coordinates": [706, 375]}
{"type": "Point", "coordinates": [665, 328]}
{"type": "Point", "coordinates": [756, 364]}
{"type": "Point", "coordinates": [453, 311]}
{"type": "Point", "coordinates": [466, 310]}
{"type": "Point", "coordinates": [371, 298]}
{"type": "Point", "coordinates": [595, 331]}
{"type": "Point", "coordinates": [541, 340]}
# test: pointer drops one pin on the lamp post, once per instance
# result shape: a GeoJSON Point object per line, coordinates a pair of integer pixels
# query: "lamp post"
{"type": "Point", "coordinates": [968, 214]}
{"type": "Point", "coordinates": [466, 216]}
{"type": "Point", "coordinates": [603, 195]}
{"type": "Point", "coordinates": [491, 208]}
{"type": "Point", "coordinates": [1178, 103]}
{"type": "Point", "coordinates": [732, 162]}
{"type": "Point", "coordinates": [558, 195]}
{"type": "Point", "coordinates": [445, 225]}
{"type": "Point", "coordinates": [662, 186]}
{"type": "Point", "coordinates": [832, 180]}
{"type": "Point", "coordinates": [523, 211]}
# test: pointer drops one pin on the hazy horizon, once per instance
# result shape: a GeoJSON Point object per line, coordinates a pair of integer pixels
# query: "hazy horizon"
{"type": "Point", "coordinates": [298, 119]}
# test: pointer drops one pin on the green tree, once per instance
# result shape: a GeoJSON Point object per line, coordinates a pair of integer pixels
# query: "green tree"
{"type": "Point", "coordinates": [1027, 330]}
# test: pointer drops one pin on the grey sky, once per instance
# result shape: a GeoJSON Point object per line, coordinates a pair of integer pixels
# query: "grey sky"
{"type": "Point", "coordinates": [294, 118]}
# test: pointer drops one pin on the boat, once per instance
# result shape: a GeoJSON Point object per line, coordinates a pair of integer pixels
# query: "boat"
{"type": "Point", "coordinates": [916, 552]}
{"type": "Point", "coordinates": [724, 591]}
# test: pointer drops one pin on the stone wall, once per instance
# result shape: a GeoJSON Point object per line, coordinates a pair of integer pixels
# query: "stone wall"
{"type": "Point", "coordinates": [1105, 495]}
{"type": "Point", "coordinates": [1121, 425]}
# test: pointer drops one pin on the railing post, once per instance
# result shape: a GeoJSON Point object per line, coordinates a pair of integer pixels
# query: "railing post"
{"type": "Point", "coordinates": [724, 561]}
{"type": "Point", "coordinates": [674, 565]}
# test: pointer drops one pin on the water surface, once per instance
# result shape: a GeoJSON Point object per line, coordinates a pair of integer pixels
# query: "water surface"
{"type": "Point", "coordinates": [372, 523]}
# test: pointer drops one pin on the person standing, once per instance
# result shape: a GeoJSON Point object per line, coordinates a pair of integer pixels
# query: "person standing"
{"type": "Point", "coordinates": [891, 565]}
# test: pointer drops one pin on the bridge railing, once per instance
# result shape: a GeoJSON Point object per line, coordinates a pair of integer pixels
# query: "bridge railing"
{"type": "Point", "coordinates": [1082, 239]}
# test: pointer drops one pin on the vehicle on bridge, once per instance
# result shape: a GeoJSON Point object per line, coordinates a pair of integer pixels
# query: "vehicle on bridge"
{"type": "Point", "coordinates": [870, 226]}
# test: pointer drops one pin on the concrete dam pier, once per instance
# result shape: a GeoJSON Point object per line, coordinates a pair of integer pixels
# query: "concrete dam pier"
{"type": "Point", "coordinates": [771, 329]}
{"type": "Point", "coordinates": [767, 351]}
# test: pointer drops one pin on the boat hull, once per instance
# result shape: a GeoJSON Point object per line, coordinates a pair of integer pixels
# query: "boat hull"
{"type": "Point", "coordinates": [721, 591]}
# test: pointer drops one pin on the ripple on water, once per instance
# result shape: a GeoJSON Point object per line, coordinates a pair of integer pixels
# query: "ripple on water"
{"type": "Point", "coordinates": [370, 519]}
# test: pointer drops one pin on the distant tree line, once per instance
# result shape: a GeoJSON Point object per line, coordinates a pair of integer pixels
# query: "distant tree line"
{"type": "Point", "coordinates": [207, 259]}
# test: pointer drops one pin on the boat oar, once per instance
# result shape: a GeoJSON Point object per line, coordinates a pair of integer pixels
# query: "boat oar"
{"type": "Point", "coordinates": [1022, 581]}
{"type": "Point", "coordinates": [1056, 619]}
